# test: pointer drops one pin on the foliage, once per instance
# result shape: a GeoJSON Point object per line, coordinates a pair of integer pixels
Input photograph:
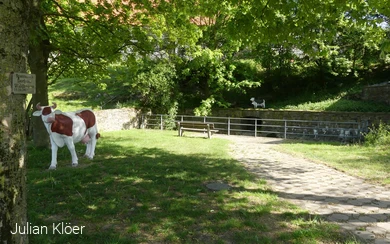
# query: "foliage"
{"type": "Point", "coordinates": [169, 123]}
{"type": "Point", "coordinates": [205, 108]}
{"type": "Point", "coordinates": [213, 54]}
{"type": "Point", "coordinates": [71, 94]}
{"type": "Point", "coordinates": [155, 84]}
{"type": "Point", "coordinates": [383, 13]}
{"type": "Point", "coordinates": [206, 77]}
{"type": "Point", "coordinates": [145, 84]}
{"type": "Point", "coordinates": [378, 136]}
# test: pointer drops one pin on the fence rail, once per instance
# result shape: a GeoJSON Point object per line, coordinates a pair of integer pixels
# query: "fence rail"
{"type": "Point", "coordinates": [283, 128]}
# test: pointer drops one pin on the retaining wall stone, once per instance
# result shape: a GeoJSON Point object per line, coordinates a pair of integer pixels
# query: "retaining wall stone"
{"type": "Point", "coordinates": [117, 119]}
{"type": "Point", "coordinates": [379, 93]}
{"type": "Point", "coordinates": [128, 118]}
{"type": "Point", "coordinates": [367, 117]}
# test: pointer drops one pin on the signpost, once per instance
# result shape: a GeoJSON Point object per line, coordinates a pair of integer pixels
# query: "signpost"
{"type": "Point", "coordinates": [23, 83]}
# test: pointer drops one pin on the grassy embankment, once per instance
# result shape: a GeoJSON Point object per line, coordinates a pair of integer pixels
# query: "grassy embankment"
{"type": "Point", "coordinates": [72, 95]}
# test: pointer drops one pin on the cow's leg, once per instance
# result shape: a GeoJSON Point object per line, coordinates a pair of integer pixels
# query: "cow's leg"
{"type": "Point", "coordinates": [91, 147]}
{"type": "Point", "coordinates": [54, 149]}
{"type": "Point", "coordinates": [72, 150]}
{"type": "Point", "coordinates": [88, 150]}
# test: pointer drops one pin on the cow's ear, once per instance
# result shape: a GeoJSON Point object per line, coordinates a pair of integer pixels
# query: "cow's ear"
{"type": "Point", "coordinates": [37, 113]}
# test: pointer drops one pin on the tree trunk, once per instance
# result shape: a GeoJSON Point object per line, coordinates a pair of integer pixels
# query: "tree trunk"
{"type": "Point", "coordinates": [39, 68]}
{"type": "Point", "coordinates": [38, 61]}
{"type": "Point", "coordinates": [14, 32]}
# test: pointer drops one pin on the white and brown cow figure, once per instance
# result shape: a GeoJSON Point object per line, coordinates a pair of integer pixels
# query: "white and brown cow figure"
{"type": "Point", "coordinates": [67, 128]}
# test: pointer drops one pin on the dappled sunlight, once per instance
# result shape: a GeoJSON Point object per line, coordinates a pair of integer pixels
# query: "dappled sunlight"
{"type": "Point", "coordinates": [50, 180]}
{"type": "Point", "coordinates": [92, 207]}
{"type": "Point", "coordinates": [145, 192]}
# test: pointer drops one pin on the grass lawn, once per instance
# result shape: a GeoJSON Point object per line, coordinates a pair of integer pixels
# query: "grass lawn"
{"type": "Point", "coordinates": [148, 186]}
{"type": "Point", "coordinates": [368, 162]}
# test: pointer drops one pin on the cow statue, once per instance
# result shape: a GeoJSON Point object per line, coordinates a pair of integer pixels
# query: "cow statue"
{"type": "Point", "coordinates": [67, 128]}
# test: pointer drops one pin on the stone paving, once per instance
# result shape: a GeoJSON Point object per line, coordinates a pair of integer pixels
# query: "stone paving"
{"type": "Point", "coordinates": [359, 207]}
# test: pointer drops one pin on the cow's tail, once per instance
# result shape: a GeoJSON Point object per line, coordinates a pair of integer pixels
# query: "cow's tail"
{"type": "Point", "coordinates": [97, 135]}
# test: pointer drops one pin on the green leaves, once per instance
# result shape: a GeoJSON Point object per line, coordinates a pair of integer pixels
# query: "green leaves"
{"type": "Point", "coordinates": [385, 48]}
{"type": "Point", "coordinates": [205, 108]}
{"type": "Point", "coordinates": [156, 86]}
{"type": "Point", "coordinates": [192, 50]}
{"type": "Point", "coordinates": [206, 78]}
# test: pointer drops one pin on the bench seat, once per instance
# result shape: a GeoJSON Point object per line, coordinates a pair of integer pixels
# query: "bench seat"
{"type": "Point", "coordinates": [197, 127]}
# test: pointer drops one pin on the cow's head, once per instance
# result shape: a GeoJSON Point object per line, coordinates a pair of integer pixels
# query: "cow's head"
{"type": "Point", "coordinates": [47, 112]}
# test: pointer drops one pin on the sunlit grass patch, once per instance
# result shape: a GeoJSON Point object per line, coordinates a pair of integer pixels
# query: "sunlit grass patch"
{"type": "Point", "coordinates": [367, 162]}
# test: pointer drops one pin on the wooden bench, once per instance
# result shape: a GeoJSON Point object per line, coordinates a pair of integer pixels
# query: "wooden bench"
{"type": "Point", "coordinates": [196, 126]}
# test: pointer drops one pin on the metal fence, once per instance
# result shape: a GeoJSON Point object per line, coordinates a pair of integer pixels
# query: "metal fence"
{"type": "Point", "coordinates": [282, 128]}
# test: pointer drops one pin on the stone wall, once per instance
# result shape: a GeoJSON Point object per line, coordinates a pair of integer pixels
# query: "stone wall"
{"type": "Point", "coordinates": [304, 115]}
{"type": "Point", "coordinates": [379, 93]}
{"type": "Point", "coordinates": [124, 119]}
{"type": "Point", "coordinates": [117, 119]}
{"type": "Point", "coordinates": [329, 127]}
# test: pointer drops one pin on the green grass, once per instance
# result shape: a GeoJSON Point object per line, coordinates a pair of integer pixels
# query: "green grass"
{"type": "Point", "coordinates": [340, 104]}
{"type": "Point", "coordinates": [368, 162]}
{"type": "Point", "coordinates": [73, 93]}
{"type": "Point", "coordinates": [149, 187]}
{"type": "Point", "coordinates": [340, 101]}
{"type": "Point", "coordinates": [70, 93]}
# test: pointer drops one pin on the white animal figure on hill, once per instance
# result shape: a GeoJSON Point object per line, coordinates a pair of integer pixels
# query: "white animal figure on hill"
{"type": "Point", "coordinates": [255, 104]}
{"type": "Point", "coordinates": [68, 128]}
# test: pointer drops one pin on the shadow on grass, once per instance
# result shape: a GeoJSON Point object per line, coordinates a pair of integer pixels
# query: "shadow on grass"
{"type": "Point", "coordinates": [135, 194]}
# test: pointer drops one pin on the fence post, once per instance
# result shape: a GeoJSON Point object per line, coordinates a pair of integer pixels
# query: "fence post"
{"type": "Point", "coordinates": [255, 127]}
{"type": "Point", "coordinates": [285, 129]}
{"type": "Point", "coordinates": [228, 126]}
{"type": "Point", "coordinates": [141, 124]}
{"type": "Point", "coordinates": [204, 119]}
{"type": "Point", "coordinates": [161, 121]}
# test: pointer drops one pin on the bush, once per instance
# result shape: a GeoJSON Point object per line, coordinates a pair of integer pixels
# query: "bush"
{"type": "Point", "coordinates": [169, 122]}
{"type": "Point", "coordinates": [378, 136]}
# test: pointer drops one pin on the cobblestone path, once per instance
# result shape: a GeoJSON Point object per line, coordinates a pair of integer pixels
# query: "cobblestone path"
{"type": "Point", "coordinates": [362, 208]}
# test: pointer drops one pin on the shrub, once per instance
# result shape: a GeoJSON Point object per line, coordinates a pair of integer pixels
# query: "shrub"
{"type": "Point", "coordinates": [379, 136]}
{"type": "Point", "coordinates": [169, 122]}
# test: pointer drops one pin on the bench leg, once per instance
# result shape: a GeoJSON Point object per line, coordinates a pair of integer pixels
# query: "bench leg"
{"type": "Point", "coordinates": [209, 132]}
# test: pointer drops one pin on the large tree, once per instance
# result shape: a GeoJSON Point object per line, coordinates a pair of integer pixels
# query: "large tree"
{"type": "Point", "coordinates": [80, 38]}
{"type": "Point", "coordinates": [14, 32]}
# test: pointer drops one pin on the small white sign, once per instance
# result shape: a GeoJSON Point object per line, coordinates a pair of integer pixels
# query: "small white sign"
{"type": "Point", "coordinates": [23, 83]}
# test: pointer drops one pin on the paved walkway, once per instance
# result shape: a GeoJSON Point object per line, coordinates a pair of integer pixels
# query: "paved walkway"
{"type": "Point", "coordinates": [362, 208]}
